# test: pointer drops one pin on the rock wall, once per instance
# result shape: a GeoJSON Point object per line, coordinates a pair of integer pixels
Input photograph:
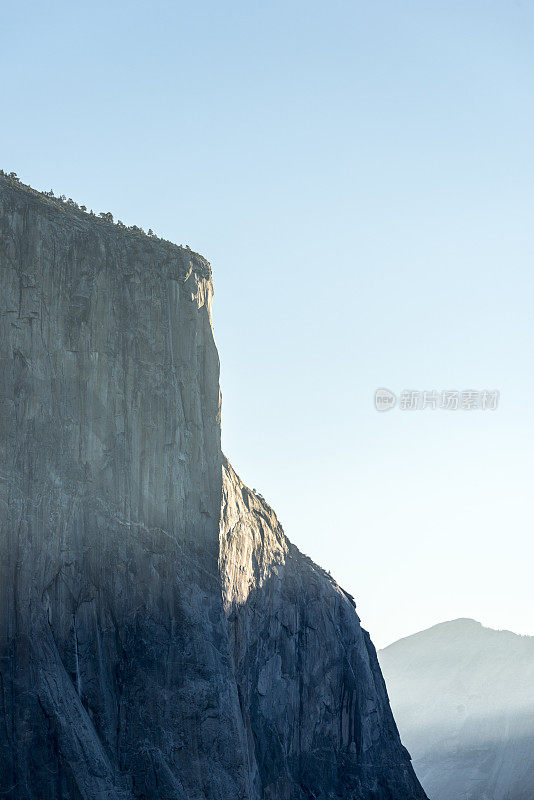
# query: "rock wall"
{"type": "Point", "coordinates": [138, 657]}
{"type": "Point", "coordinates": [115, 675]}
{"type": "Point", "coordinates": [313, 700]}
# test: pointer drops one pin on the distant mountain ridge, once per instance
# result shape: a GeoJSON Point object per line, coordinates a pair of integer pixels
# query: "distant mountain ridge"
{"type": "Point", "coordinates": [463, 699]}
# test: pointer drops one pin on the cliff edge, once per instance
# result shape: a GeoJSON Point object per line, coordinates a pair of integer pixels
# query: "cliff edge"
{"type": "Point", "coordinates": [159, 636]}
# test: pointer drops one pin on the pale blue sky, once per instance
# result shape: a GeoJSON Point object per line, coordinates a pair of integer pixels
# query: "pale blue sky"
{"type": "Point", "coordinates": [360, 175]}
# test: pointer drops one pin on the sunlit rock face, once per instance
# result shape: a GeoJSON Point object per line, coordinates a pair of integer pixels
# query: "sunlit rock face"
{"type": "Point", "coordinates": [314, 704]}
{"type": "Point", "coordinates": [463, 697]}
{"type": "Point", "coordinates": [138, 657]}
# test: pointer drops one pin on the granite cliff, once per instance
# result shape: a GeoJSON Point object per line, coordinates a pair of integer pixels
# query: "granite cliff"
{"type": "Point", "coordinates": [312, 697]}
{"type": "Point", "coordinates": [159, 636]}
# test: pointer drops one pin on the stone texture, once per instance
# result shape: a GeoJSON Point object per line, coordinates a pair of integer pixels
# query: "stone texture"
{"type": "Point", "coordinates": [146, 651]}
{"type": "Point", "coordinates": [313, 700]}
{"type": "Point", "coordinates": [115, 672]}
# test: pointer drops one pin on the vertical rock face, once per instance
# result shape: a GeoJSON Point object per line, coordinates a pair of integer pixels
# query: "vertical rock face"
{"type": "Point", "coordinates": [115, 674]}
{"type": "Point", "coordinates": [145, 651]}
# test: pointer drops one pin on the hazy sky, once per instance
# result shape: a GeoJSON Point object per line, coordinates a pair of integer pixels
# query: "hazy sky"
{"type": "Point", "coordinates": [360, 175]}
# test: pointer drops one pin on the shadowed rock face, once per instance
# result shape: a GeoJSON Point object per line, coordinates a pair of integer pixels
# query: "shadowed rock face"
{"type": "Point", "coordinates": [314, 705]}
{"type": "Point", "coordinates": [146, 649]}
{"type": "Point", "coordinates": [116, 679]}
{"type": "Point", "coordinates": [463, 696]}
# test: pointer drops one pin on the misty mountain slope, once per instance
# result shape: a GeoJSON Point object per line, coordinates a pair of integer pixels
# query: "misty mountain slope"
{"type": "Point", "coordinates": [463, 698]}
{"type": "Point", "coordinates": [142, 654]}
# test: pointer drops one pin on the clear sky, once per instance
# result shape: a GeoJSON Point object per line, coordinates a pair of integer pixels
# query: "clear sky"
{"type": "Point", "coordinates": [360, 176]}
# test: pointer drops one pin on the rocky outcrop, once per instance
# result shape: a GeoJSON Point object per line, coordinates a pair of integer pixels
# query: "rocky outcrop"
{"type": "Point", "coordinates": [313, 700]}
{"type": "Point", "coordinates": [151, 647]}
{"type": "Point", "coordinates": [463, 696]}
